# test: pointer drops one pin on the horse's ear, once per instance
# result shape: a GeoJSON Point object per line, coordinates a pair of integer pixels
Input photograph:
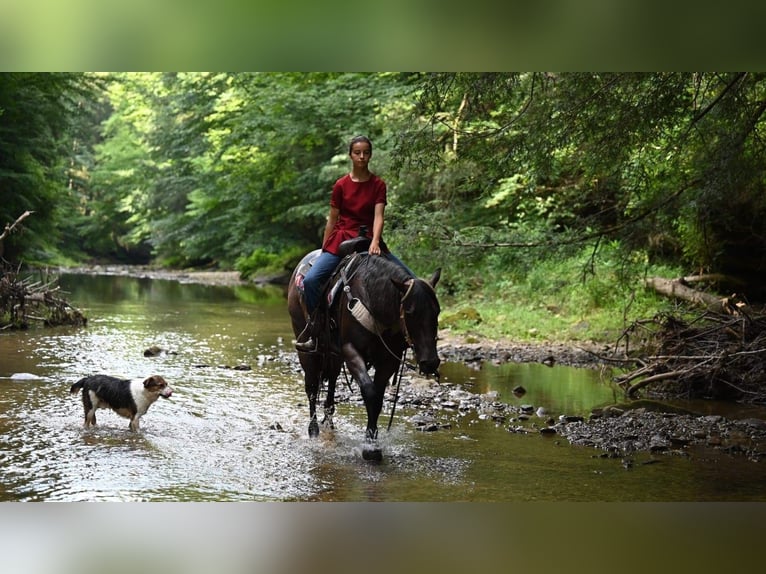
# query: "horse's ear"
{"type": "Point", "coordinates": [435, 277]}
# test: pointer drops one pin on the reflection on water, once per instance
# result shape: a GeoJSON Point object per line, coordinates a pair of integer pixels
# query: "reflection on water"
{"type": "Point", "coordinates": [557, 389]}
{"type": "Point", "coordinates": [230, 434]}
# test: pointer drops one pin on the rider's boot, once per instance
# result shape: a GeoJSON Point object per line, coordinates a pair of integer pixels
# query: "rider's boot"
{"type": "Point", "coordinates": [307, 341]}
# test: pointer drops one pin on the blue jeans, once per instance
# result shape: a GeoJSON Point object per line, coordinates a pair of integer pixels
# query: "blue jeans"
{"type": "Point", "coordinates": [320, 272]}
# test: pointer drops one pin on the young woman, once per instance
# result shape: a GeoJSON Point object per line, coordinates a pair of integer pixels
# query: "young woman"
{"type": "Point", "coordinates": [358, 199]}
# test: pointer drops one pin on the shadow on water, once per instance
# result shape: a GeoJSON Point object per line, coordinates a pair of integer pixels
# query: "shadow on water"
{"type": "Point", "coordinates": [232, 434]}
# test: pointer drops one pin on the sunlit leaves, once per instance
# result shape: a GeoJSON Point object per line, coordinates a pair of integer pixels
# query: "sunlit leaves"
{"type": "Point", "coordinates": [232, 163]}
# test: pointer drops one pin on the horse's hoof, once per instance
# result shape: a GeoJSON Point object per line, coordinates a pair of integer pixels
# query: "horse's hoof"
{"type": "Point", "coordinates": [329, 425]}
{"type": "Point", "coordinates": [327, 422]}
{"type": "Point", "coordinates": [373, 454]}
{"type": "Point", "coordinates": [313, 429]}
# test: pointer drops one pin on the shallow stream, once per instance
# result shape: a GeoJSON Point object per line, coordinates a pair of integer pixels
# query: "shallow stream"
{"type": "Point", "coordinates": [240, 435]}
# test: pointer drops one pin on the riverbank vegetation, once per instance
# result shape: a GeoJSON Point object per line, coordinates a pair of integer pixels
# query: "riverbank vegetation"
{"type": "Point", "coordinates": [549, 199]}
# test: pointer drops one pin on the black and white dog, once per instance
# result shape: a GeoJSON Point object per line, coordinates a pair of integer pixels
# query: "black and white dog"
{"type": "Point", "coordinates": [128, 398]}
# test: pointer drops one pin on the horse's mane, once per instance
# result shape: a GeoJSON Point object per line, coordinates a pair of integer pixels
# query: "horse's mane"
{"type": "Point", "coordinates": [378, 267]}
{"type": "Point", "coordinates": [381, 295]}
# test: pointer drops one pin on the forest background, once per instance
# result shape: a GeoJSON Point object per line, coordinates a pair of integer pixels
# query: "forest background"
{"type": "Point", "coordinates": [547, 198]}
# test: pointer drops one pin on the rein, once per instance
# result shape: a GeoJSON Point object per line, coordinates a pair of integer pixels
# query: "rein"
{"type": "Point", "coordinates": [360, 312]}
{"type": "Point", "coordinates": [402, 321]}
{"type": "Point", "coordinates": [398, 385]}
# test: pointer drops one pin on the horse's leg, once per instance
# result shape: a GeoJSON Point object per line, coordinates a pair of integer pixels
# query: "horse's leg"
{"type": "Point", "coordinates": [373, 400]}
{"type": "Point", "coordinates": [383, 374]}
{"type": "Point", "coordinates": [329, 403]}
{"type": "Point", "coordinates": [312, 391]}
{"type": "Point", "coordinates": [311, 378]}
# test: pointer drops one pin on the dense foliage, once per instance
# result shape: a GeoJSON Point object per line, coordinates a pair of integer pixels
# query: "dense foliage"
{"type": "Point", "coordinates": [39, 146]}
{"type": "Point", "coordinates": [494, 176]}
{"type": "Point", "coordinates": [670, 165]}
{"type": "Point", "coordinates": [230, 169]}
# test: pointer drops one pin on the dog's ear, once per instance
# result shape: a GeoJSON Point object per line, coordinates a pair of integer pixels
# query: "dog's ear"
{"type": "Point", "coordinates": [154, 380]}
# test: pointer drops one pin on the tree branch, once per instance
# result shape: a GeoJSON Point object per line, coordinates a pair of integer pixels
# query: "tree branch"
{"type": "Point", "coordinates": [654, 378]}
{"type": "Point", "coordinates": [9, 228]}
{"type": "Point", "coordinates": [596, 234]}
{"type": "Point", "coordinates": [717, 99]}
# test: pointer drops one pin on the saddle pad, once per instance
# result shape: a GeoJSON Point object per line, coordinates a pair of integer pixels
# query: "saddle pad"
{"type": "Point", "coordinates": [304, 266]}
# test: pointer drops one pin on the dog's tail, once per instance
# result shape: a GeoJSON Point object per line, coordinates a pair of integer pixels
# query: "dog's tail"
{"type": "Point", "coordinates": [77, 386]}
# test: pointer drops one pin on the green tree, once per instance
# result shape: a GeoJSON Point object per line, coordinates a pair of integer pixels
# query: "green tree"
{"type": "Point", "coordinates": [231, 166]}
{"type": "Point", "coordinates": [38, 156]}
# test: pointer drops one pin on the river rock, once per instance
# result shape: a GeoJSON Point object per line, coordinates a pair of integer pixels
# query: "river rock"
{"type": "Point", "coordinates": [25, 377]}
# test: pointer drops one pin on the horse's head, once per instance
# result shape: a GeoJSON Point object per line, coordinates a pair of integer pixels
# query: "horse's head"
{"type": "Point", "coordinates": [420, 320]}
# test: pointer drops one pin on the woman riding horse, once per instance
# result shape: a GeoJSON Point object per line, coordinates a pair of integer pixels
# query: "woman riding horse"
{"type": "Point", "coordinates": [379, 313]}
{"type": "Point", "coordinates": [358, 200]}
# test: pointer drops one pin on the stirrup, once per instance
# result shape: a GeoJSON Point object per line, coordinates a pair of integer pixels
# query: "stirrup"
{"type": "Point", "coordinates": [307, 346]}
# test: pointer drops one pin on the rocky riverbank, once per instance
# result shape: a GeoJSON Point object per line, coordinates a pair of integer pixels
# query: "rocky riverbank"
{"type": "Point", "coordinates": [635, 432]}
{"type": "Point", "coordinates": [225, 278]}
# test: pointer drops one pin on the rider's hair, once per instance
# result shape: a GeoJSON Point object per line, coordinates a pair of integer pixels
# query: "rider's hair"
{"type": "Point", "coordinates": [358, 139]}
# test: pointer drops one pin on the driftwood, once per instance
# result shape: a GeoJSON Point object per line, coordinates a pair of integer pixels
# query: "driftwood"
{"type": "Point", "coordinates": [11, 227]}
{"type": "Point", "coordinates": [712, 355]}
{"type": "Point", "coordinates": [719, 353]}
{"type": "Point", "coordinates": [23, 300]}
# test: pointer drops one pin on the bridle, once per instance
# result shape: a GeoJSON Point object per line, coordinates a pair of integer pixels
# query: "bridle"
{"type": "Point", "coordinates": [359, 311]}
{"type": "Point", "coordinates": [402, 320]}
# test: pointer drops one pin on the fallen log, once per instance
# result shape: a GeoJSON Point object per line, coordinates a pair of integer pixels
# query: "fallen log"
{"type": "Point", "coordinates": [678, 289]}
{"type": "Point", "coordinates": [631, 392]}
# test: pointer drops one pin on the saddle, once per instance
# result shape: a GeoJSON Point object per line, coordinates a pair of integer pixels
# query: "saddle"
{"type": "Point", "coordinates": [350, 251]}
{"type": "Point", "coordinates": [350, 247]}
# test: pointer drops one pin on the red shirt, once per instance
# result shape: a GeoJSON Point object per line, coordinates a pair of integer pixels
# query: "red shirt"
{"type": "Point", "coordinates": [356, 203]}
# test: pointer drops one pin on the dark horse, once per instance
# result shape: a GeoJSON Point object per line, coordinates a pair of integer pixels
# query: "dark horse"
{"type": "Point", "coordinates": [379, 312]}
